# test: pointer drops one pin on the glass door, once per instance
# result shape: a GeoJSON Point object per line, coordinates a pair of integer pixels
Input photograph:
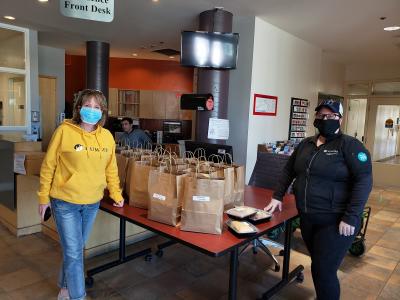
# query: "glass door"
{"type": "Point", "coordinates": [383, 140]}
{"type": "Point", "coordinates": [356, 118]}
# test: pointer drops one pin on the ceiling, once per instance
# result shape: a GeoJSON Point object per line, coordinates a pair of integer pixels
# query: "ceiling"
{"type": "Point", "coordinates": [348, 31]}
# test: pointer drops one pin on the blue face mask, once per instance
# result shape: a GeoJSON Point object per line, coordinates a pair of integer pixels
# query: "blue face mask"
{"type": "Point", "coordinates": [90, 115]}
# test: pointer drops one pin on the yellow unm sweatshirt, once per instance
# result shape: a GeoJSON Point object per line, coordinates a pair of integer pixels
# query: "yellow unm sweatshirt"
{"type": "Point", "coordinates": [79, 165]}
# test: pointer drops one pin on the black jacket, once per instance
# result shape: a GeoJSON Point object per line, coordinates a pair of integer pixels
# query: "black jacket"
{"type": "Point", "coordinates": [333, 178]}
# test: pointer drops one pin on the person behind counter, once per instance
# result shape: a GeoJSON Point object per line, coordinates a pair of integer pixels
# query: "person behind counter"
{"type": "Point", "coordinates": [133, 137]}
{"type": "Point", "coordinates": [332, 180]}
{"type": "Point", "coordinates": [80, 162]}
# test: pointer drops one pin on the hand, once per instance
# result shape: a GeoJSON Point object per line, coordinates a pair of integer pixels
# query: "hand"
{"type": "Point", "coordinates": [271, 207]}
{"type": "Point", "coordinates": [346, 229]}
{"type": "Point", "coordinates": [119, 204]}
{"type": "Point", "coordinates": [42, 210]}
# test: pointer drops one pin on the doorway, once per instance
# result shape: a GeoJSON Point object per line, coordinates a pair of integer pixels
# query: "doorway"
{"type": "Point", "coordinates": [383, 140]}
{"type": "Point", "coordinates": [47, 92]}
{"type": "Point", "coordinates": [356, 118]}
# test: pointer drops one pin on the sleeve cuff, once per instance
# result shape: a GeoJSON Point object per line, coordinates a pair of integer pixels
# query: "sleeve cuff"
{"type": "Point", "coordinates": [351, 220]}
{"type": "Point", "coordinates": [44, 199]}
{"type": "Point", "coordinates": [277, 197]}
{"type": "Point", "coordinates": [117, 197]}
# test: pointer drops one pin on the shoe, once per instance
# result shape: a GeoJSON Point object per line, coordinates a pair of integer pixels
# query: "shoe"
{"type": "Point", "coordinates": [63, 295]}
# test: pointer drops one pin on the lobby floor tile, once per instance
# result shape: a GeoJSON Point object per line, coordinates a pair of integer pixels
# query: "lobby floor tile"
{"type": "Point", "coordinates": [29, 267]}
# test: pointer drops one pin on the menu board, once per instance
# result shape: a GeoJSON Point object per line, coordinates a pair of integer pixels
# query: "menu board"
{"type": "Point", "coordinates": [298, 119]}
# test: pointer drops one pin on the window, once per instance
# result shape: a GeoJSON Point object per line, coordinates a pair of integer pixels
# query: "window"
{"type": "Point", "coordinates": [14, 68]}
{"type": "Point", "coordinates": [386, 88]}
{"type": "Point", "coordinates": [357, 89]}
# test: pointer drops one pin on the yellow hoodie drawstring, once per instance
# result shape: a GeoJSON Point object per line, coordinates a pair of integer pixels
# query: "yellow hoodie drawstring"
{"type": "Point", "coordinates": [98, 143]}
{"type": "Point", "coordinates": [85, 142]}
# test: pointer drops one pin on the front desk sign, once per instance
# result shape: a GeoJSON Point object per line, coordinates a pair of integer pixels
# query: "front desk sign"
{"type": "Point", "coordinates": [95, 10]}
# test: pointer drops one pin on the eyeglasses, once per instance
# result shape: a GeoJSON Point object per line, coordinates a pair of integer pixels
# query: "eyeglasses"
{"type": "Point", "coordinates": [327, 116]}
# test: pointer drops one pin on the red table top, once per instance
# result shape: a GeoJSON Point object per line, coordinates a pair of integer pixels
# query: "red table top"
{"type": "Point", "coordinates": [213, 245]}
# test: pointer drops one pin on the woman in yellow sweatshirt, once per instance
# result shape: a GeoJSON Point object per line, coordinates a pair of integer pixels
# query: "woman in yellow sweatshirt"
{"type": "Point", "coordinates": [79, 164]}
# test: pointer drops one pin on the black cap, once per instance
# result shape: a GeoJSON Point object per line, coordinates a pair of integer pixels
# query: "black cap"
{"type": "Point", "coordinates": [333, 105]}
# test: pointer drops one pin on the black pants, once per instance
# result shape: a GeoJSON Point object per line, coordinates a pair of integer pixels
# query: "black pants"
{"type": "Point", "coordinates": [327, 249]}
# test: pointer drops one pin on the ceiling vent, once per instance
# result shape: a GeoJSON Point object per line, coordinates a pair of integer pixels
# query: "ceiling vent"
{"type": "Point", "coordinates": [167, 52]}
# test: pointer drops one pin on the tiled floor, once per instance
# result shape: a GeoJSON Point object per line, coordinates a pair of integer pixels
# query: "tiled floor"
{"type": "Point", "coordinates": [29, 266]}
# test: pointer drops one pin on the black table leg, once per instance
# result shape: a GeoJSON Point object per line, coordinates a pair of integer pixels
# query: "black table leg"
{"type": "Point", "coordinates": [286, 275]}
{"type": "Point", "coordinates": [233, 273]}
{"type": "Point", "coordinates": [122, 237]}
{"type": "Point", "coordinates": [122, 256]}
{"type": "Point", "coordinates": [161, 247]}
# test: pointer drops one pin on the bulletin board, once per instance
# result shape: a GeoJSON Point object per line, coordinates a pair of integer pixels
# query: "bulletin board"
{"type": "Point", "coordinates": [298, 119]}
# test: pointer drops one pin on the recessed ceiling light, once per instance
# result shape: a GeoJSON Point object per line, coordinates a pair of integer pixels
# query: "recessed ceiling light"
{"type": "Point", "coordinates": [155, 0]}
{"type": "Point", "coordinates": [134, 54]}
{"type": "Point", "coordinates": [43, 0]}
{"type": "Point", "coordinates": [9, 17]}
{"type": "Point", "coordinates": [172, 57]}
{"type": "Point", "coordinates": [391, 28]}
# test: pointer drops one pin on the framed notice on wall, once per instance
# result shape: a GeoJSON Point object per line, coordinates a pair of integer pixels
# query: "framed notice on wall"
{"type": "Point", "coordinates": [298, 119]}
{"type": "Point", "coordinates": [265, 105]}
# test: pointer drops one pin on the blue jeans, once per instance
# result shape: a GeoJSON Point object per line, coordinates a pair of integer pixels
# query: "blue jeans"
{"type": "Point", "coordinates": [74, 223]}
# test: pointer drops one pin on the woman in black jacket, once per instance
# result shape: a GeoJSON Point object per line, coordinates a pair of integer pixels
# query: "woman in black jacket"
{"type": "Point", "coordinates": [332, 176]}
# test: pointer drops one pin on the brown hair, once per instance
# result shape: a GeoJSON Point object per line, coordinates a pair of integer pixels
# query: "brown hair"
{"type": "Point", "coordinates": [82, 98]}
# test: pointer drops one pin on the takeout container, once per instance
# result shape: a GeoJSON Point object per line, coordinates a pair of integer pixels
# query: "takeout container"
{"type": "Point", "coordinates": [241, 212]}
{"type": "Point", "coordinates": [248, 228]}
{"type": "Point", "coordinates": [260, 216]}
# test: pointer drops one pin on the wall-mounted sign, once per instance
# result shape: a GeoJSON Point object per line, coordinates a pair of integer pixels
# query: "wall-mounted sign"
{"type": "Point", "coordinates": [389, 123]}
{"type": "Point", "coordinates": [95, 10]}
{"type": "Point", "coordinates": [218, 129]}
{"type": "Point", "coordinates": [265, 105]}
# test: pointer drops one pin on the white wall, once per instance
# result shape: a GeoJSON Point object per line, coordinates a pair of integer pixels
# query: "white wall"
{"type": "Point", "coordinates": [332, 76]}
{"type": "Point", "coordinates": [372, 72]}
{"type": "Point", "coordinates": [239, 89]}
{"type": "Point", "coordinates": [283, 66]}
{"type": "Point", "coordinates": [52, 63]}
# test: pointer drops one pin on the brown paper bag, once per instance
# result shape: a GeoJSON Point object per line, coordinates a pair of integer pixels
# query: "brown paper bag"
{"type": "Point", "coordinates": [203, 205]}
{"type": "Point", "coordinates": [229, 191]}
{"type": "Point", "coordinates": [223, 171]}
{"type": "Point", "coordinates": [138, 189]}
{"type": "Point", "coordinates": [238, 189]}
{"type": "Point", "coordinates": [165, 194]}
{"type": "Point", "coordinates": [122, 163]}
{"type": "Point", "coordinates": [129, 174]}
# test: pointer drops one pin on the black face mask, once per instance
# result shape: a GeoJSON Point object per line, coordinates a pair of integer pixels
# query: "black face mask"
{"type": "Point", "coordinates": [327, 128]}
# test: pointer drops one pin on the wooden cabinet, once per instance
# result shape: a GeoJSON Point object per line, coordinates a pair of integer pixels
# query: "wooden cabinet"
{"type": "Point", "coordinates": [113, 102]}
{"type": "Point", "coordinates": [128, 103]}
{"type": "Point", "coordinates": [159, 105]}
{"type": "Point", "coordinates": [146, 105]}
{"type": "Point", "coordinates": [172, 105]}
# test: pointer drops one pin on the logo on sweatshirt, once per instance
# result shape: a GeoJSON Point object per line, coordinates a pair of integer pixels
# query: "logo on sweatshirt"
{"type": "Point", "coordinates": [362, 157]}
{"type": "Point", "coordinates": [78, 147]}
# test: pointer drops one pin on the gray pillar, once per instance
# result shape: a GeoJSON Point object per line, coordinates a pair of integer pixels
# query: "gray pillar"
{"type": "Point", "coordinates": [212, 81]}
{"type": "Point", "coordinates": [97, 60]}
